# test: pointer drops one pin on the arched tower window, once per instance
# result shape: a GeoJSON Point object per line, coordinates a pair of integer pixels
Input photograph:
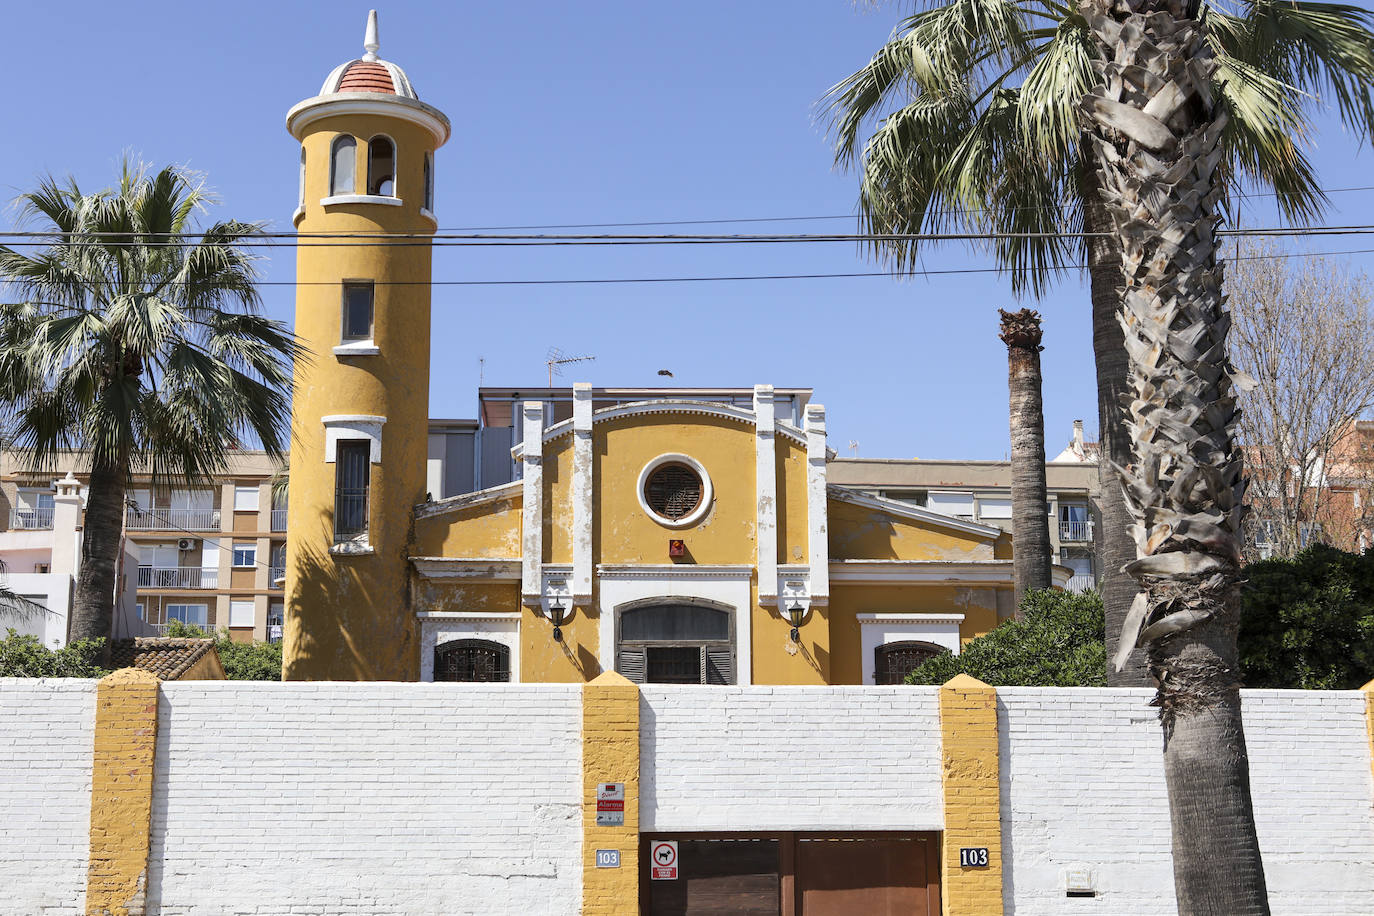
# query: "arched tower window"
{"type": "Point", "coordinates": [674, 643]}
{"type": "Point", "coordinates": [893, 661]}
{"type": "Point", "coordinates": [301, 202]}
{"type": "Point", "coordinates": [429, 182]}
{"type": "Point", "coordinates": [343, 158]}
{"type": "Point", "coordinates": [381, 167]}
{"type": "Point", "coordinates": [477, 660]}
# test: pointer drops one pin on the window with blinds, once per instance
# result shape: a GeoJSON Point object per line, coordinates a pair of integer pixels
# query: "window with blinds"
{"type": "Point", "coordinates": [893, 661]}
{"type": "Point", "coordinates": [676, 644]}
{"type": "Point", "coordinates": [352, 477]}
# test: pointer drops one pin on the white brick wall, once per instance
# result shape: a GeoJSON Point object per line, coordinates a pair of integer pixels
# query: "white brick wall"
{"type": "Point", "coordinates": [1082, 784]}
{"type": "Point", "coordinates": [367, 799]}
{"type": "Point", "coordinates": [46, 727]}
{"type": "Point", "coordinates": [789, 758]}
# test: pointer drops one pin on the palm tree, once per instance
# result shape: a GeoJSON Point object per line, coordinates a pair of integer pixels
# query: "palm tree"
{"type": "Point", "coordinates": [1030, 528]}
{"type": "Point", "coordinates": [1156, 134]}
{"type": "Point", "coordinates": [138, 341]}
{"type": "Point", "coordinates": [973, 107]}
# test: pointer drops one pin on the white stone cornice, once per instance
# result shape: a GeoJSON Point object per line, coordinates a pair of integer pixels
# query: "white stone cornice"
{"type": "Point", "coordinates": [305, 113]}
{"type": "Point", "coordinates": [471, 616]}
{"type": "Point", "coordinates": [907, 510]}
{"type": "Point", "coordinates": [486, 568]}
{"type": "Point", "coordinates": [909, 618]}
{"type": "Point", "coordinates": [877, 572]}
{"type": "Point", "coordinates": [672, 571]}
{"type": "Point", "coordinates": [469, 500]}
{"type": "Point", "coordinates": [667, 406]}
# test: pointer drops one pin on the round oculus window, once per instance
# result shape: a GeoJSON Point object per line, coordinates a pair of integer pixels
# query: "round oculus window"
{"type": "Point", "coordinates": [673, 491]}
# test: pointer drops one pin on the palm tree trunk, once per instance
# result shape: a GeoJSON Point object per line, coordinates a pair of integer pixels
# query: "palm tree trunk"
{"type": "Point", "coordinates": [1115, 546]}
{"type": "Point", "coordinates": [1156, 135]}
{"type": "Point", "coordinates": [1030, 529]}
{"type": "Point", "coordinates": [93, 604]}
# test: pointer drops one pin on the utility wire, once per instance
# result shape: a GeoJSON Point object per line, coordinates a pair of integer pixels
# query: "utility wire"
{"type": "Point", "coordinates": [414, 240]}
{"type": "Point", "coordinates": [743, 277]}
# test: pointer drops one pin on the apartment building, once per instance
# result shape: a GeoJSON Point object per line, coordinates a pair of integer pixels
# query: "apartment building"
{"type": "Point", "coordinates": [980, 491]}
{"type": "Point", "coordinates": [212, 556]}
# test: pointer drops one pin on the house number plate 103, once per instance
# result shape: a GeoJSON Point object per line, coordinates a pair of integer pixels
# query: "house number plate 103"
{"type": "Point", "coordinates": [973, 857]}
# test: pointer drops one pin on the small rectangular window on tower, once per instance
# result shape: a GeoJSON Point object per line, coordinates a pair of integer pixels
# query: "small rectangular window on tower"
{"type": "Point", "coordinates": [357, 311]}
{"type": "Point", "coordinates": [353, 472]}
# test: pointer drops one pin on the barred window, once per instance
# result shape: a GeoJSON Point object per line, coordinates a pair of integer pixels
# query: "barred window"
{"type": "Point", "coordinates": [893, 661]}
{"type": "Point", "coordinates": [472, 660]}
{"type": "Point", "coordinates": [673, 491]}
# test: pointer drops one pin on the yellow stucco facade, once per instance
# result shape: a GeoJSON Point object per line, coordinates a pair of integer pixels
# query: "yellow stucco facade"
{"type": "Point", "coordinates": [572, 569]}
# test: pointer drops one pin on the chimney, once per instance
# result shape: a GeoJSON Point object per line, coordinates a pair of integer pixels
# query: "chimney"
{"type": "Point", "coordinates": [1078, 438]}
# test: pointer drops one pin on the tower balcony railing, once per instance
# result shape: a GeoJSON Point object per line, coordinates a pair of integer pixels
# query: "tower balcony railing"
{"type": "Point", "coordinates": [279, 519]}
{"type": "Point", "coordinates": [177, 577]}
{"type": "Point", "coordinates": [1081, 583]}
{"type": "Point", "coordinates": [1075, 529]}
{"type": "Point", "coordinates": [163, 519]}
{"type": "Point", "coordinates": [31, 519]}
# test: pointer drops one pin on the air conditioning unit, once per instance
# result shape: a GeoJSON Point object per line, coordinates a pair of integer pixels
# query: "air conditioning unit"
{"type": "Point", "coordinates": [188, 543]}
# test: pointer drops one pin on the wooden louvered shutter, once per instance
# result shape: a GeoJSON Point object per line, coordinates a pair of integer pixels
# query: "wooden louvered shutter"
{"type": "Point", "coordinates": [720, 665]}
{"type": "Point", "coordinates": [630, 662]}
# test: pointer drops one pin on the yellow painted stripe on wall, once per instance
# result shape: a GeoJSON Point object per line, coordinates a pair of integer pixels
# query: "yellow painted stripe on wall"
{"type": "Point", "coordinates": [610, 753]}
{"type": "Point", "coordinates": [972, 797]}
{"type": "Point", "coordinates": [1369, 719]}
{"type": "Point", "coordinates": [122, 793]}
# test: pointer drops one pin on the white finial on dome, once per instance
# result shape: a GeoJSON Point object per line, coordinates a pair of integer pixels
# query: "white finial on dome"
{"type": "Point", "coordinates": [370, 43]}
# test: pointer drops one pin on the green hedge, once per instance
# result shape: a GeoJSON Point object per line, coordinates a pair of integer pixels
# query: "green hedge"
{"type": "Point", "coordinates": [26, 656]}
{"type": "Point", "coordinates": [243, 661]}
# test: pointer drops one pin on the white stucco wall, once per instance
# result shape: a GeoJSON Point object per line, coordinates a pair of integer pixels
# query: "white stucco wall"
{"type": "Point", "coordinates": [1083, 787]}
{"type": "Point", "coordinates": [373, 799]}
{"type": "Point", "coordinates": [789, 758]}
{"type": "Point", "coordinates": [46, 729]}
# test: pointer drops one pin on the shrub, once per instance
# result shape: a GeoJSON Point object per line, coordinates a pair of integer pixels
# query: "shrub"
{"type": "Point", "coordinates": [1308, 621]}
{"type": "Point", "coordinates": [243, 661]}
{"type": "Point", "coordinates": [24, 655]}
{"type": "Point", "coordinates": [1058, 643]}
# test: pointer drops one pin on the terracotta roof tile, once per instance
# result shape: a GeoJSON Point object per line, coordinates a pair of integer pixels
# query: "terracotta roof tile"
{"type": "Point", "coordinates": [366, 76]}
{"type": "Point", "coordinates": [166, 657]}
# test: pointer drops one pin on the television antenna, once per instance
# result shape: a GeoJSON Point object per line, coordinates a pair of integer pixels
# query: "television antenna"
{"type": "Point", "coordinates": [556, 359]}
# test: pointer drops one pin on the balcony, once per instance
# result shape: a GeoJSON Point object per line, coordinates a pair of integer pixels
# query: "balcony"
{"type": "Point", "coordinates": [177, 577]}
{"type": "Point", "coordinates": [1075, 530]}
{"type": "Point", "coordinates": [1081, 584]}
{"type": "Point", "coordinates": [31, 519]}
{"type": "Point", "coordinates": [162, 628]}
{"type": "Point", "coordinates": [162, 519]}
{"type": "Point", "coordinates": [279, 519]}
{"type": "Point", "coordinates": [275, 573]}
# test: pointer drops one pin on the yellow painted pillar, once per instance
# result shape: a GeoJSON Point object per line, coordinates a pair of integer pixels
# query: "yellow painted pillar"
{"type": "Point", "coordinates": [122, 793]}
{"type": "Point", "coordinates": [1369, 718]}
{"type": "Point", "coordinates": [972, 797]}
{"type": "Point", "coordinates": [610, 754]}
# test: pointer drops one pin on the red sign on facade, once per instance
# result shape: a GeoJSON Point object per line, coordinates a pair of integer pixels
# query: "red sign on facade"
{"type": "Point", "coordinates": [664, 856]}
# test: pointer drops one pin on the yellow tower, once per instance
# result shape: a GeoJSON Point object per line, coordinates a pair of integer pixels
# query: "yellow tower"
{"type": "Point", "coordinates": [360, 406]}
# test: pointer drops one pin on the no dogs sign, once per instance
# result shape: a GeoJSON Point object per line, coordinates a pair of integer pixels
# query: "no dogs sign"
{"type": "Point", "coordinates": [664, 856]}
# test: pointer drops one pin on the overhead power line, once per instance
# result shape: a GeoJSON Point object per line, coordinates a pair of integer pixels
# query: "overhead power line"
{"type": "Point", "coordinates": [455, 240]}
{"type": "Point", "coordinates": [591, 281]}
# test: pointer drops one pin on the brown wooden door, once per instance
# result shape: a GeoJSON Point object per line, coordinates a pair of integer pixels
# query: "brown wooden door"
{"type": "Point", "coordinates": [720, 876]}
{"type": "Point", "coordinates": [796, 874]}
{"type": "Point", "coordinates": [875, 876]}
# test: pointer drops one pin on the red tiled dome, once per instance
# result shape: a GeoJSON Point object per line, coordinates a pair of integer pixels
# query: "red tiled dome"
{"type": "Point", "coordinates": [366, 76]}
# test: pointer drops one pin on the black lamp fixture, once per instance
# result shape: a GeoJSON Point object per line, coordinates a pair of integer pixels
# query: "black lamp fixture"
{"type": "Point", "coordinates": [558, 615]}
{"type": "Point", "coordinates": [795, 613]}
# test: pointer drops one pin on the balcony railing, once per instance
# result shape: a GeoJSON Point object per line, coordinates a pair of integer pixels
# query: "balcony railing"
{"type": "Point", "coordinates": [159, 519]}
{"type": "Point", "coordinates": [162, 628]}
{"type": "Point", "coordinates": [1081, 583]}
{"type": "Point", "coordinates": [1075, 530]}
{"type": "Point", "coordinates": [177, 577]}
{"type": "Point", "coordinates": [273, 574]}
{"type": "Point", "coordinates": [278, 519]}
{"type": "Point", "coordinates": [31, 519]}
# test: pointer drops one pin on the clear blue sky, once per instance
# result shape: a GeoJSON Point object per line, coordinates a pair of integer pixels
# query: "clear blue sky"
{"type": "Point", "coordinates": [584, 113]}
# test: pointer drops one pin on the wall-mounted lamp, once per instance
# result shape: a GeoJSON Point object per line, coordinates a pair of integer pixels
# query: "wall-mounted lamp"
{"type": "Point", "coordinates": [558, 615]}
{"type": "Point", "coordinates": [795, 613]}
